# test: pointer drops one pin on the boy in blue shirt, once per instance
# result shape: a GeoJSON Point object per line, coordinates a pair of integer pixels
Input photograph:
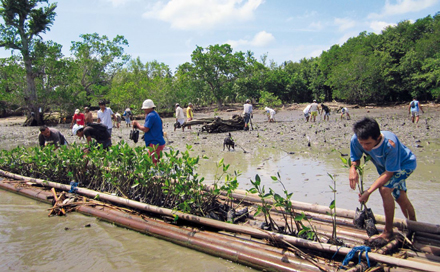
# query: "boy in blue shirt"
{"type": "Point", "coordinates": [414, 109]}
{"type": "Point", "coordinates": [394, 163]}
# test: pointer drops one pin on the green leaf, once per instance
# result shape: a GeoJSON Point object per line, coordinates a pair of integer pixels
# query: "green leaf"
{"type": "Point", "coordinates": [332, 204]}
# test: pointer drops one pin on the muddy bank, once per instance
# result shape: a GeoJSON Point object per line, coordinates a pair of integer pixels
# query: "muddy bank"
{"type": "Point", "coordinates": [283, 147]}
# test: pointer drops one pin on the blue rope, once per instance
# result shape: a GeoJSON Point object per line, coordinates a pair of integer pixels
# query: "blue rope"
{"type": "Point", "coordinates": [351, 254]}
{"type": "Point", "coordinates": [73, 186]}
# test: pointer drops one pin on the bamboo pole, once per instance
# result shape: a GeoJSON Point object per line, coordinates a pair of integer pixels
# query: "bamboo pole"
{"type": "Point", "coordinates": [230, 227]}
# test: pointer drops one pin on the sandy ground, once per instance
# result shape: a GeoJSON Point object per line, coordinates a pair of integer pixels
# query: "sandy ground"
{"type": "Point", "coordinates": [282, 147]}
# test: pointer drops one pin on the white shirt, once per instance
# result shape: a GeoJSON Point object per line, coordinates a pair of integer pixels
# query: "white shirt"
{"type": "Point", "coordinates": [307, 109]}
{"type": "Point", "coordinates": [314, 107]}
{"type": "Point", "coordinates": [179, 113]}
{"type": "Point", "coordinates": [247, 108]}
{"type": "Point", "coordinates": [106, 117]}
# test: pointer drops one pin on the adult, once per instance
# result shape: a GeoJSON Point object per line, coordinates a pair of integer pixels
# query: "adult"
{"type": "Point", "coordinates": [414, 109]}
{"type": "Point", "coordinates": [96, 131]}
{"type": "Point", "coordinates": [189, 113]}
{"type": "Point", "coordinates": [306, 112]}
{"type": "Point", "coordinates": [180, 117]}
{"type": "Point", "coordinates": [153, 128]}
{"type": "Point", "coordinates": [247, 113]}
{"type": "Point", "coordinates": [51, 136]}
{"type": "Point", "coordinates": [88, 116]}
{"type": "Point", "coordinates": [127, 116]}
{"type": "Point", "coordinates": [326, 111]}
{"type": "Point", "coordinates": [394, 163]}
{"type": "Point", "coordinates": [344, 111]}
{"type": "Point", "coordinates": [314, 110]}
{"type": "Point", "coordinates": [78, 118]}
{"type": "Point", "coordinates": [105, 116]}
{"type": "Point", "coordinates": [270, 114]}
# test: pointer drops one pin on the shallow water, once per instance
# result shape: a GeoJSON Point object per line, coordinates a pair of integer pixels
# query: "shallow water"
{"type": "Point", "coordinates": [32, 241]}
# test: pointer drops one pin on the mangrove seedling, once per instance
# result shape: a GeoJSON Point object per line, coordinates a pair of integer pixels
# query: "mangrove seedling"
{"type": "Point", "coordinates": [334, 240]}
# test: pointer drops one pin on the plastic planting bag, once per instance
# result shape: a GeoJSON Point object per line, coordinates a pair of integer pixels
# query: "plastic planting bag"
{"type": "Point", "coordinates": [134, 135]}
{"type": "Point", "coordinates": [364, 219]}
{"type": "Point", "coordinates": [359, 219]}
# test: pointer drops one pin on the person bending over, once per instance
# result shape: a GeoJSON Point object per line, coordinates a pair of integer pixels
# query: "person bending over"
{"type": "Point", "coordinates": [52, 136]}
{"type": "Point", "coordinates": [394, 163]}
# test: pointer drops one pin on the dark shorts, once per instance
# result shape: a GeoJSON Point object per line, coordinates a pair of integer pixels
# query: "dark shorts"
{"type": "Point", "coordinates": [398, 182]}
{"type": "Point", "coordinates": [247, 117]}
{"type": "Point", "coordinates": [106, 144]}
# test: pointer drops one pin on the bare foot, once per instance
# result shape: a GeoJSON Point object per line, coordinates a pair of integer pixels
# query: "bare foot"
{"type": "Point", "coordinates": [388, 236]}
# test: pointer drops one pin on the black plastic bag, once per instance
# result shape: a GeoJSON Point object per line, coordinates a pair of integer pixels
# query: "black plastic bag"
{"type": "Point", "coordinates": [359, 219]}
{"type": "Point", "coordinates": [134, 135]}
{"type": "Point", "coordinates": [369, 214]}
{"type": "Point", "coordinates": [370, 227]}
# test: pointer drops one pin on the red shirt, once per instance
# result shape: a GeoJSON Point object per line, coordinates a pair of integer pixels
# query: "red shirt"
{"type": "Point", "coordinates": [79, 118]}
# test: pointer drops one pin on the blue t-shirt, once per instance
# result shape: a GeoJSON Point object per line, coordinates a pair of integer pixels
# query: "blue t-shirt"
{"type": "Point", "coordinates": [155, 134]}
{"type": "Point", "coordinates": [385, 156]}
{"type": "Point", "coordinates": [414, 106]}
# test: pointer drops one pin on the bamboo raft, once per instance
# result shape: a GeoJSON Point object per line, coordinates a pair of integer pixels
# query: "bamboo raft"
{"type": "Point", "coordinates": [245, 243]}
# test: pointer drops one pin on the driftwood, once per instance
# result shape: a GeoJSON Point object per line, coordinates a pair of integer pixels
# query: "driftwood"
{"type": "Point", "coordinates": [218, 125]}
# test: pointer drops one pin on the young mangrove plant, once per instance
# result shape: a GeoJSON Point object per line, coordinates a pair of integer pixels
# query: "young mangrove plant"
{"type": "Point", "coordinates": [286, 205]}
{"type": "Point", "coordinates": [364, 217]}
{"type": "Point", "coordinates": [334, 240]}
{"type": "Point", "coordinates": [265, 207]}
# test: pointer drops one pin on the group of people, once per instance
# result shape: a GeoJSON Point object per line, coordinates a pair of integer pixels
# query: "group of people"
{"type": "Point", "coordinates": [312, 110]}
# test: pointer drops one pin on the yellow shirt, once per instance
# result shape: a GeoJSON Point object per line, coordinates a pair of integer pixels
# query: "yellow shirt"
{"type": "Point", "coordinates": [189, 112]}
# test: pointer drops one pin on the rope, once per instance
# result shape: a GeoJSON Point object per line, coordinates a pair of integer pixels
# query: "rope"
{"type": "Point", "coordinates": [351, 254]}
{"type": "Point", "coordinates": [73, 186]}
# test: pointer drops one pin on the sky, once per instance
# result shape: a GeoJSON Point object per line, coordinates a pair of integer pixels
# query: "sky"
{"type": "Point", "coordinates": [168, 31]}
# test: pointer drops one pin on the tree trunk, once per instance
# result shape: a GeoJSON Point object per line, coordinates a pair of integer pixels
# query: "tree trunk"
{"type": "Point", "coordinates": [35, 117]}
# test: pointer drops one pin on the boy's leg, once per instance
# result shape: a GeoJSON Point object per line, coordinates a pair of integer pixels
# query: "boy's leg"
{"type": "Point", "coordinates": [388, 206]}
{"type": "Point", "coordinates": [406, 206]}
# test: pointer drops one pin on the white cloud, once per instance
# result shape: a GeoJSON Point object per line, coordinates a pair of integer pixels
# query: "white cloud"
{"type": "Point", "coordinates": [315, 26]}
{"type": "Point", "coordinates": [203, 14]}
{"type": "Point", "coordinates": [378, 26]}
{"type": "Point", "coordinates": [344, 23]}
{"type": "Point", "coordinates": [117, 3]}
{"type": "Point", "coordinates": [403, 6]}
{"type": "Point", "coordinates": [261, 39]}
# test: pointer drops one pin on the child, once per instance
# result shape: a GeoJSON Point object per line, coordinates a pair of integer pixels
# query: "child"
{"type": "Point", "coordinates": [394, 163]}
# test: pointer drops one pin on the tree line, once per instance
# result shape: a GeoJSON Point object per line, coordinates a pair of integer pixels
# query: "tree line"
{"type": "Point", "coordinates": [400, 63]}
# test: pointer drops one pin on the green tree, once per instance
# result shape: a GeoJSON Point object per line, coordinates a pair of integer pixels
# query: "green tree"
{"type": "Point", "coordinates": [98, 59]}
{"type": "Point", "coordinates": [219, 68]}
{"type": "Point", "coordinates": [12, 82]}
{"type": "Point", "coordinates": [24, 20]}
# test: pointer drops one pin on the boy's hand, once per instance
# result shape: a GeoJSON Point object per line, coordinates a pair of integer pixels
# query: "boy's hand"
{"type": "Point", "coordinates": [363, 198]}
{"type": "Point", "coordinates": [353, 176]}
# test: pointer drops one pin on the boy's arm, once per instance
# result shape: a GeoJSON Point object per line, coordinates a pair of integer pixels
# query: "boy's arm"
{"type": "Point", "coordinates": [381, 181]}
{"type": "Point", "coordinates": [353, 175]}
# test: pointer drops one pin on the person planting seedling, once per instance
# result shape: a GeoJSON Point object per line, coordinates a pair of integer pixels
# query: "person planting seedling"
{"type": "Point", "coordinates": [394, 163]}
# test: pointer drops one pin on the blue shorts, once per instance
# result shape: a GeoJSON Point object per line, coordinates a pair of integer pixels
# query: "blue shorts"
{"type": "Point", "coordinates": [398, 182]}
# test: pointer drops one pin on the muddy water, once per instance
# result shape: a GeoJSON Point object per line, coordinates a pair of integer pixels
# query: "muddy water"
{"type": "Point", "coordinates": [31, 241]}
{"type": "Point", "coordinates": [266, 150]}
